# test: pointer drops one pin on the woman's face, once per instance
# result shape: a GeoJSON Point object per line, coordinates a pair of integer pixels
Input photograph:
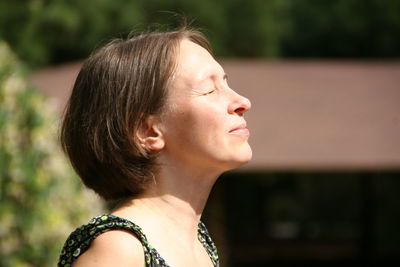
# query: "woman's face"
{"type": "Point", "coordinates": [203, 124]}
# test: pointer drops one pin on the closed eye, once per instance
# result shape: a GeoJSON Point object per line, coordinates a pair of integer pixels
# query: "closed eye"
{"type": "Point", "coordinates": [210, 92]}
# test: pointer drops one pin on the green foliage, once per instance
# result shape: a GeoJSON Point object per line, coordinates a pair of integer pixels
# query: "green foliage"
{"type": "Point", "coordinates": [43, 32]}
{"type": "Point", "coordinates": [53, 31]}
{"type": "Point", "coordinates": [256, 27]}
{"type": "Point", "coordinates": [41, 200]}
{"type": "Point", "coordinates": [344, 28]}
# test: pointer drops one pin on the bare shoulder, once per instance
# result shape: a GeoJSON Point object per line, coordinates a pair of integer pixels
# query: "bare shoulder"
{"type": "Point", "coordinates": [113, 248]}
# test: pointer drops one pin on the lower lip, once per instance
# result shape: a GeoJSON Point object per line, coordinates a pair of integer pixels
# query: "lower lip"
{"type": "Point", "coordinates": [243, 131]}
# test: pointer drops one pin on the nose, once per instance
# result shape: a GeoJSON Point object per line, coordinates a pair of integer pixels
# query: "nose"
{"type": "Point", "coordinates": [239, 104]}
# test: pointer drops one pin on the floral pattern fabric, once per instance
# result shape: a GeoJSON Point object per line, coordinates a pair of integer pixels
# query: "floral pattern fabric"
{"type": "Point", "coordinates": [79, 240]}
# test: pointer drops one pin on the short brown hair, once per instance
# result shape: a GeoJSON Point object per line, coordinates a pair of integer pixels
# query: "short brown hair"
{"type": "Point", "coordinates": [117, 87]}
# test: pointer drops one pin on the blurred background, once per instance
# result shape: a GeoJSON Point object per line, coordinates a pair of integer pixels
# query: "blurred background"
{"type": "Point", "coordinates": [323, 188]}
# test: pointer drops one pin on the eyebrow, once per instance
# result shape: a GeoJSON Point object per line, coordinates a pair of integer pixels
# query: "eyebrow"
{"type": "Point", "coordinates": [212, 77]}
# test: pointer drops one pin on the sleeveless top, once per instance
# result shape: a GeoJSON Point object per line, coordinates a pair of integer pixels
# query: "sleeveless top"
{"type": "Point", "coordinates": [79, 240]}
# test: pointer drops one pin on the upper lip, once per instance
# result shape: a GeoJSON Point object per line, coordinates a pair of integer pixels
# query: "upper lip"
{"type": "Point", "coordinates": [241, 126]}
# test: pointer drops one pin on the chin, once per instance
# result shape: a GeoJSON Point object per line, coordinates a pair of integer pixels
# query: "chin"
{"type": "Point", "coordinates": [244, 160]}
{"type": "Point", "coordinates": [246, 153]}
{"type": "Point", "coordinates": [241, 158]}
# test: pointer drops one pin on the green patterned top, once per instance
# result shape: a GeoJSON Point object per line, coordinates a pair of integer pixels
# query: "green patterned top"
{"type": "Point", "coordinates": [79, 240]}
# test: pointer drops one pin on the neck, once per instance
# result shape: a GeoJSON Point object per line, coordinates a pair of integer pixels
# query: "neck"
{"type": "Point", "coordinates": [173, 203]}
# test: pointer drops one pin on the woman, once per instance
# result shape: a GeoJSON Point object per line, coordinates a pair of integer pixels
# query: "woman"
{"type": "Point", "coordinates": [152, 122]}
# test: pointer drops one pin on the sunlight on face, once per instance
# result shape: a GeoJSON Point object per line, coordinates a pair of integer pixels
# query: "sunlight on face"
{"type": "Point", "coordinates": [204, 125]}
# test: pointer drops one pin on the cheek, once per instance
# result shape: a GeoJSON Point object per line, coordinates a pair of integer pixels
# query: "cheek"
{"type": "Point", "coordinates": [196, 119]}
{"type": "Point", "coordinates": [193, 124]}
{"type": "Point", "coordinates": [202, 126]}
{"type": "Point", "coordinates": [208, 119]}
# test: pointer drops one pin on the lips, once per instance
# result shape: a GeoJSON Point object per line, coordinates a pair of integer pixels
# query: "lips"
{"type": "Point", "coordinates": [240, 129]}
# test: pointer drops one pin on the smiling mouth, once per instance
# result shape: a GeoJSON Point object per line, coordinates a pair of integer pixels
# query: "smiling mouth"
{"type": "Point", "coordinates": [242, 130]}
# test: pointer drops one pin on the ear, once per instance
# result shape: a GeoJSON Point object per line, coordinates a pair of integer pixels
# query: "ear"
{"type": "Point", "coordinates": [150, 135]}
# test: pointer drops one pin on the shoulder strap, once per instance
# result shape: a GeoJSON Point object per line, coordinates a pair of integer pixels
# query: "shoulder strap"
{"type": "Point", "coordinates": [79, 240]}
{"type": "Point", "coordinates": [208, 244]}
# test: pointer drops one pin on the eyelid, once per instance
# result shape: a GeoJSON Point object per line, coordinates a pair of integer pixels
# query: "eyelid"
{"type": "Point", "coordinates": [225, 78]}
{"type": "Point", "coordinates": [210, 92]}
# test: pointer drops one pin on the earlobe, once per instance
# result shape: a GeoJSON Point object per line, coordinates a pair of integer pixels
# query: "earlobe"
{"type": "Point", "coordinates": [150, 135]}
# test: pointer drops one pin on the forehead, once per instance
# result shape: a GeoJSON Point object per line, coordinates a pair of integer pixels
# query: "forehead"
{"type": "Point", "coordinates": [194, 63]}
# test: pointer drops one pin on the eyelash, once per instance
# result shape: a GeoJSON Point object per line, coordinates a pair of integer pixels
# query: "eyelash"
{"type": "Point", "coordinates": [213, 90]}
{"type": "Point", "coordinates": [210, 92]}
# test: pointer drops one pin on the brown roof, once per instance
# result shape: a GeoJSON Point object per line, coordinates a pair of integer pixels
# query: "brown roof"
{"type": "Point", "coordinates": [306, 115]}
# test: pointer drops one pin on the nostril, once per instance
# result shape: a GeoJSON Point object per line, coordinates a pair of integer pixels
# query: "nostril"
{"type": "Point", "coordinates": [244, 106]}
{"type": "Point", "coordinates": [240, 110]}
{"type": "Point", "coordinates": [239, 104]}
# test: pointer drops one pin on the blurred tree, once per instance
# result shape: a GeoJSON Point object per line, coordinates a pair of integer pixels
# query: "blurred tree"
{"type": "Point", "coordinates": [256, 27]}
{"type": "Point", "coordinates": [43, 32]}
{"type": "Point", "coordinates": [41, 200]}
{"type": "Point", "coordinates": [56, 31]}
{"type": "Point", "coordinates": [343, 28]}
